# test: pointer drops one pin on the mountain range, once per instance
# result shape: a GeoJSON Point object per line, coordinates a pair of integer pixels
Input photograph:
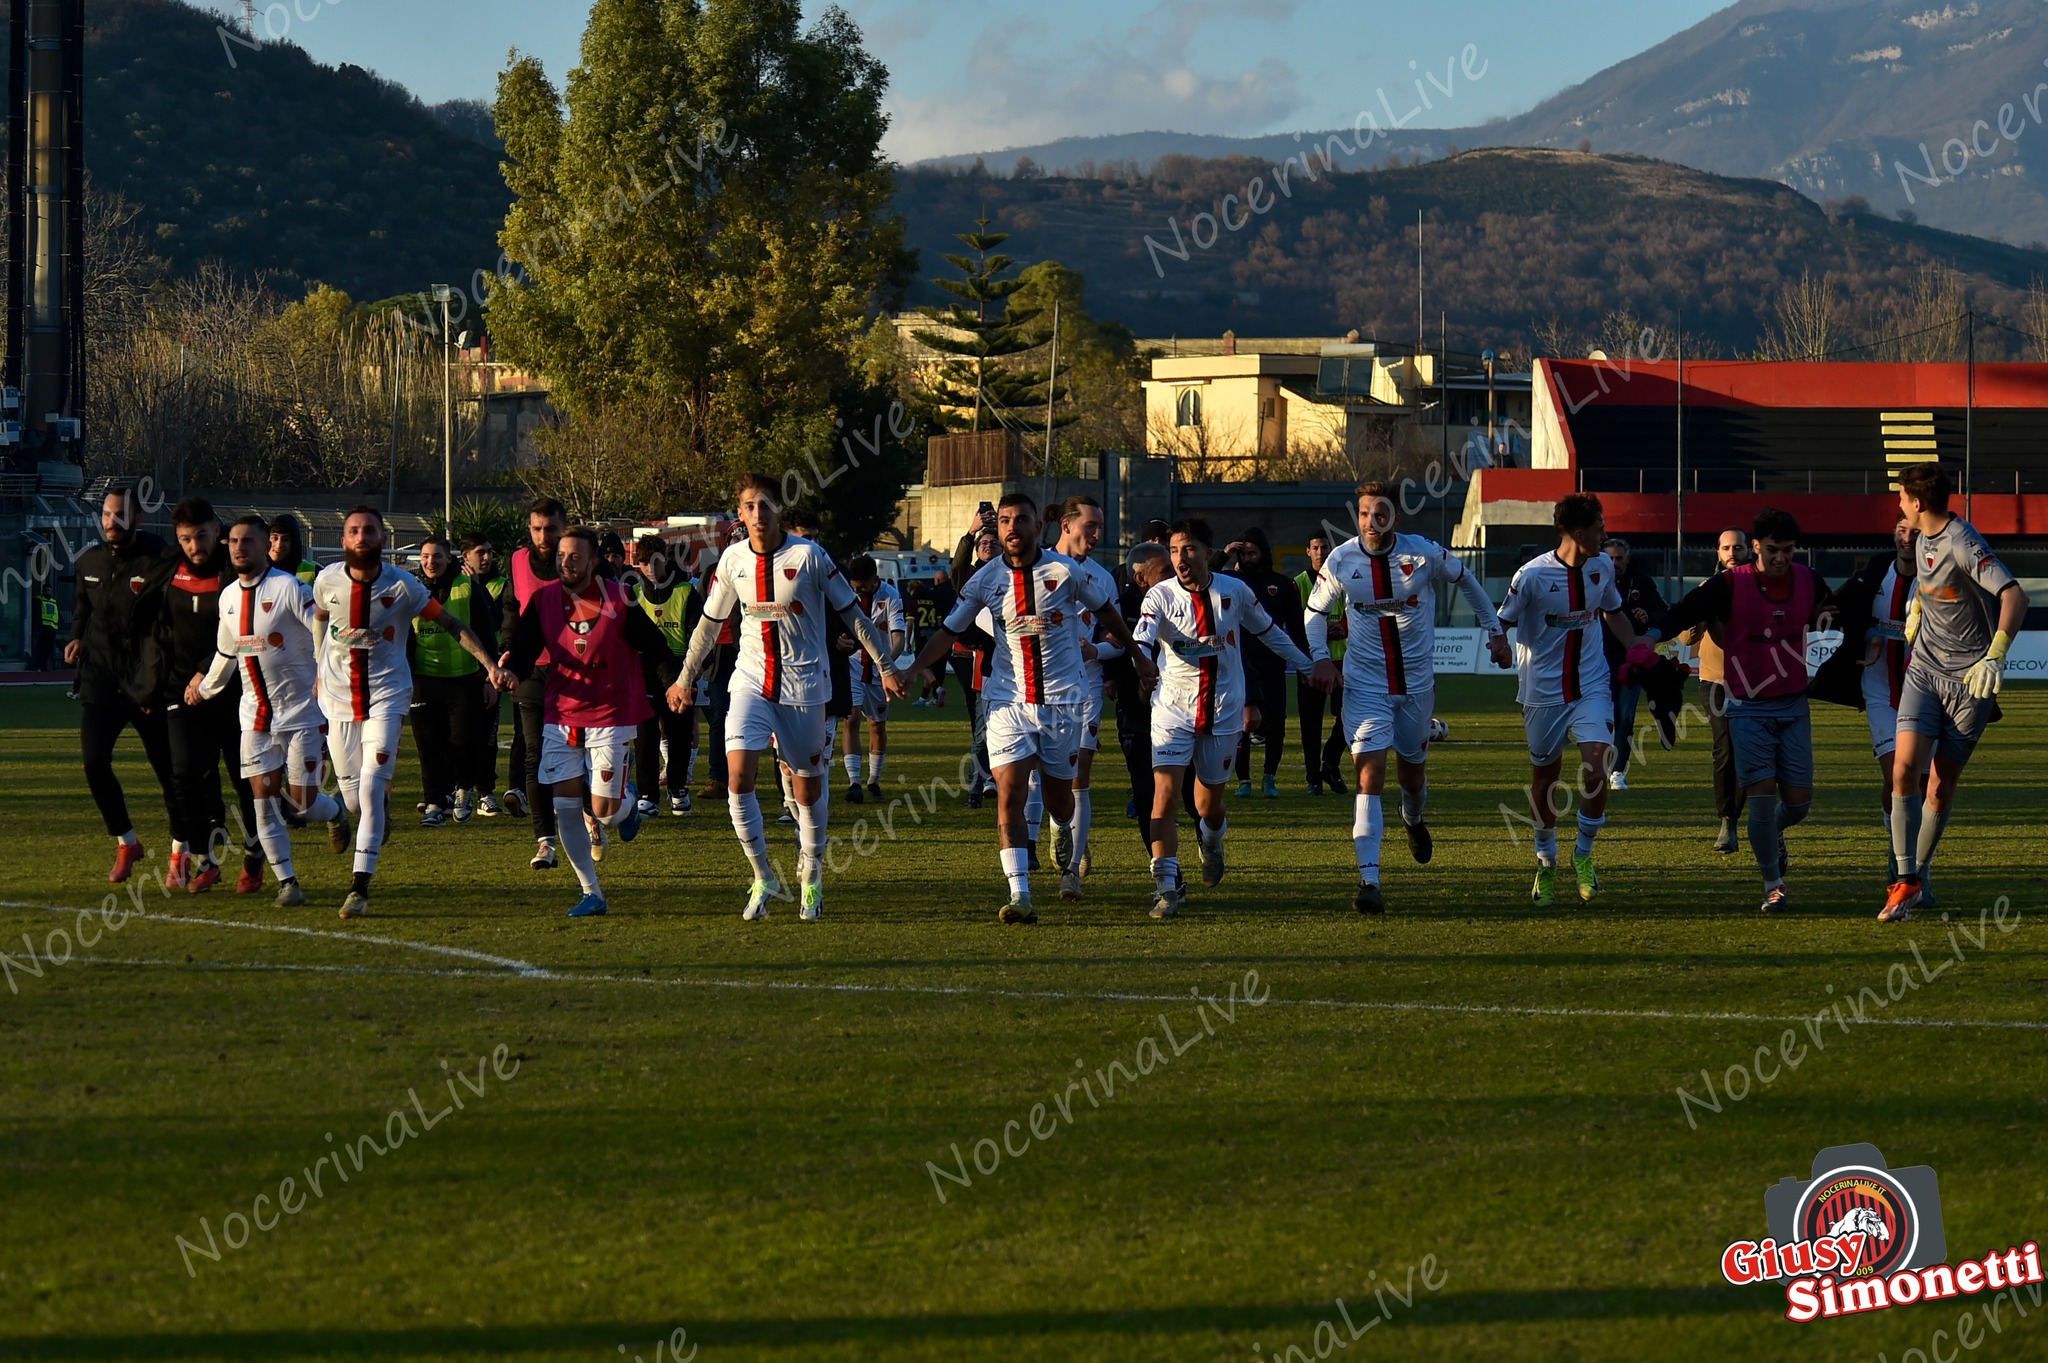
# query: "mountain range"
{"type": "Point", "coordinates": [1834, 98]}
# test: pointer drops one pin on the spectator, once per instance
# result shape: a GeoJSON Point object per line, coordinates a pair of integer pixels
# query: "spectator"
{"type": "Point", "coordinates": [930, 606]}
{"type": "Point", "coordinates": [451, 700]}
{"type": "Point", "coordinates": [1250, 560]}
{"type": "Point", "coordinates": [1323, 760]}
{"type": "Point", "coordinates": [965, 557]}
{"type": "Point", "coordinates": [43, 628]}
{"type": "Point", "coordinates": [1731, 549]}
{"type": "Point", "coordinates": [665, 746]}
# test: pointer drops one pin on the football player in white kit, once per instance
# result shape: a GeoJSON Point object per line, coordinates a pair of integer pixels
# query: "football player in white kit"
{"type": "Point", "coordinates": [782, 585]}
{"type": "Point", "coordinates": [1192, 623]}
{"type": "Point", "coordinates": [1081, 523]}
{"type": "Point", "coordinates": [268, 635]}
{"type": "Point", "coordinates": [1387, 583]}
{"type": "Point", "coordinates": [1558, 602]}
{"type": "Point", "coordinates": [365, 608]}
{"type": "Point", "coordinates": [1036, 694]}
{"type": "Point", "coordinates": [884, 606]}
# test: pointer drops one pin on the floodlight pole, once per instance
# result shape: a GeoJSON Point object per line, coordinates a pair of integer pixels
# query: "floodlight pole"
{"type": "Point", "coordinates": [446, 293]}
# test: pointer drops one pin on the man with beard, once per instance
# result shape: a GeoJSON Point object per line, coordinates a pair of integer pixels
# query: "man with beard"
{"type": "Point", "coordinates": [449, 698]}
{"type": "Point", "coordinates": [366, 607]}
{"type": "Point", "coordinates": [111, 576]}
{"type": "Point", "coordinates": [1252, 557]}
{"type": "Point", "coordinates": [596, 699]}
{"type": "Point", "coordinates": [1037, 690]}
{"type": "Point", "coordinates": [267, 637]}
{"type": "Point", "coordinates": [532, 565]}
{"type": "Point", "coordinates": [185, 604]}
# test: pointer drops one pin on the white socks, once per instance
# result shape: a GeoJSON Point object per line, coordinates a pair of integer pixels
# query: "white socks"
{"type": "Point", "coordinates": [128, 839]}
{"type": "Point", "coordinates": [375, 814]}
{"type": "Point", "coordinates": [810, 834]}
{"type": "Point", "coordinates": [746, 824]}
{"type": "Point", "coordinates": [1211, 837]}
{"type": "Point", "coordinates": [1413, 803]}
{"type": "Point", "coordinates": [1084, 819]}
{"type": "Point", "coordinates": [1017, 870]}
{"type": "Point", "coordinates": [875, 760]}
{"type": "Point", "coordinates": [276, 838]}
{"type": "Point", "coordinates": [853, 768]}
{"type": "Point", "coordinates": [324, 809]}
{"type": "Point", "coordinates": [1034, 810]}
{"type": "Point", "coordinates": [1546, 847]}
{"type": "Point", "coordinates": [1589, 829]}
{"type": "Point", "coordinates": [1166, 874]}
{"type": "Point", "coordinates": [572, 835]}
{"type": "Point", "coordinates": [1367, 826]}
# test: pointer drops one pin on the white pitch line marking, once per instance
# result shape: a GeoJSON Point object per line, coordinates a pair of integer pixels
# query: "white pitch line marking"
{"type": "Point", "coordinates": [504, 962]}
{"type": "Point", "coordinates": [524, 970]}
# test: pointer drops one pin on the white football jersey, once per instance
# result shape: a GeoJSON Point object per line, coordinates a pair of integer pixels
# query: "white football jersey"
{"type": "Point", "coordinates": [366, 625]}
{"type": "Point", "coordinates": [269, 637]}
{"type": "Point", "coordinates": [1883, 679]}
{"type": "Point", "coordinates": [1037, 653]}
{"type": "Point", "coordinates": [1390, 601]}
{"type": "Point", "coordinates": [782, 600]}
{"type": "Point", "coordinates": [1086, 623]}
{"type": "Point", "coordinates": [1555, 609]}
{"type": "Point", "coordinates": [1201, 670]}
{"type": "Point", "coordinates": [886, 610]}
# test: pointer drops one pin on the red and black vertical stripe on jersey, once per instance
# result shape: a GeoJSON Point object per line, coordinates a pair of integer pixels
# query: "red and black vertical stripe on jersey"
{"type": "Point", "coordinates": [573, 737]}
{"type": "Point", "coordinates": [1030, 651]}
{"type": "Point", "coordinates": [358, 657]}
{"type": "Point", "coordinates": [1390, 628]}
{"type": "Point", "coordinates": [1205, 685]}
{"type": "Point", "coordinates": [771, 647]}
{"type": "Point", "coordinates": [256, 686]}
{"type": "Point", "coordinates": [1575, 601]}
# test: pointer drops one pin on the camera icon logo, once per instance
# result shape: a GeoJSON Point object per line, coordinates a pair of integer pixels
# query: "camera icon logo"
{"type": "Point", "coordinates": [1897, 1212]}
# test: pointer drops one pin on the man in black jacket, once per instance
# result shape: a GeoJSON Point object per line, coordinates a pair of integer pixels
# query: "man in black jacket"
{"type": "Point", "coordinates": [1251, 561]}
{"type": "Point", "coordinates": [183, 602]}
{"type": "Point", "coordinates": [111, 575]}
{"type": "Point", "coordinates": [1642, 603]}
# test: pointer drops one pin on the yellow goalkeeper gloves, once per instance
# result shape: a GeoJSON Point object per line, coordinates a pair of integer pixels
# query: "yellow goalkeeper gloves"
{"type": "Point", "coordinates": [1988, 672]}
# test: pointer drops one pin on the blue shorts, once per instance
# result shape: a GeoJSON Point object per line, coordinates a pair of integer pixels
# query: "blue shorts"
{"type": "Point", "coordinates": [1773, 740]}
{"type": "Point", "coordinates": [1944, 710]}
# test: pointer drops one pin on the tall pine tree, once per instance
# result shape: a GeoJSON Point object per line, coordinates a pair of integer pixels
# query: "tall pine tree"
{"type": "Point", "coordinates": [984, 334]}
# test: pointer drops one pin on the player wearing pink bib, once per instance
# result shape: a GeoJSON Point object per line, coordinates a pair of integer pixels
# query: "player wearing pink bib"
{"type": "Point", "coordinates": [595, 700]}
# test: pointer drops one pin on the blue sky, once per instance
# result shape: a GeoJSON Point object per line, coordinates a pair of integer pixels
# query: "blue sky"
{"type": "Point", "coordinates": [970, 75]}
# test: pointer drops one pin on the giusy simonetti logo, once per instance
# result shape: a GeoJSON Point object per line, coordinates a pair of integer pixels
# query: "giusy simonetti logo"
{"type": "Point", "coordinates": [1857, 1235]}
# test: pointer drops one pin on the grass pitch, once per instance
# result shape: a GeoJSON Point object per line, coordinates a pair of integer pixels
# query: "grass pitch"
{"type": "Point", "coordinates": [729, 1129]}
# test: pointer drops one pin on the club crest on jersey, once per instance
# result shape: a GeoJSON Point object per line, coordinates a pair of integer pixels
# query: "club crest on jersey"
{"type": "Point", "coordinates": [1407, 567]}
{"type": "Point", "coordinates": [388, 599]}
{"type": "Point", "coordinates": [135, 583]}
{"type": "Point", "coordinates": [267, 604]}
{"type": "Point", "coordinates": [382, 758]}
{"type": "Point", "coordinates": [789, 573]}
{"type": "Point", "coordinates": [1594, 578]}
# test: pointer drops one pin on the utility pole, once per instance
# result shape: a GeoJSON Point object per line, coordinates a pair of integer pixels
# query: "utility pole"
{"type": "Point", "coordinates": [1051, 387]}
{"type": "Point", "coordinates": [1970, 414]}
{"type": "Point", "coordinates": [446, 294]}
{"type": "Point", "coordinates": [397, 379]}
{"type": "Point", "coordinates": [1443, 412]}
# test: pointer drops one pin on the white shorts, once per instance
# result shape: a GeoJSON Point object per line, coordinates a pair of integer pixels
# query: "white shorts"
{"type": "Point", "coordinates": [800, 734]}
{"type": "Point", "coordinates": [1051, 733]}
{"type": "Point", "coordinates": [1091, 721]}
{"type": "Point", "coordinates": [1882, 714]}
{"type": "Point", "coordinates": [602, 757]}
{"type": "Point", "coordinates": [870, 700]}
{"type": "Point", "coordinates": [1175, 743]}
{"type": "Point", "coordinates": [1589, 719]}
{"type": "Point", "coordinates": [365, 749]}
{"type": "Point", "coordinates": [302, 753]}
{"type": "Point", "coordinates": [1375, 721]}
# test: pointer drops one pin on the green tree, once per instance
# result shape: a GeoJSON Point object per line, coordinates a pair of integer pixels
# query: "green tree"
{"type": "Point", "coordinates": [703, 226]}
{"type": "Point", "coordinates": [1101, 402]}
{"type": "Point", "coordinates": [986, 343]}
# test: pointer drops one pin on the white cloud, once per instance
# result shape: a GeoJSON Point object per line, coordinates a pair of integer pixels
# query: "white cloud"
{"type": "Point", "coordinates": [1024, 83]}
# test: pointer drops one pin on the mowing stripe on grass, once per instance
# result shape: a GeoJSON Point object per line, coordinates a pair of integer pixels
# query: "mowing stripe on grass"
{"type": "Point", "coordinates": [524, 970]}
